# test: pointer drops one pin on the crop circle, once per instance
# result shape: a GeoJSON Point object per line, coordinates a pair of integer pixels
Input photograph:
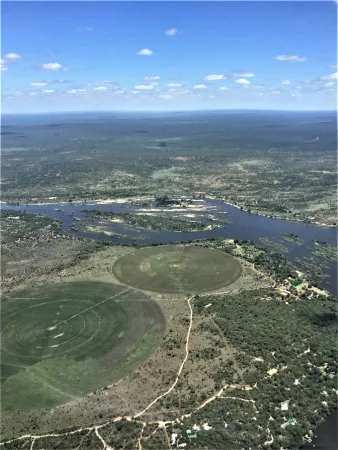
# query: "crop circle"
{"type": "Point", "coordinates": [74, 324]}
{"type": "Point", "coordinates": [177, 268]}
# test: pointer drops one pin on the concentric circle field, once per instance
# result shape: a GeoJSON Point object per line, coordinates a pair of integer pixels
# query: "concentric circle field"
{"type": "Point", "coordinates": [72, 338]}
{"type": "Point", "coordinates": [177, 268]}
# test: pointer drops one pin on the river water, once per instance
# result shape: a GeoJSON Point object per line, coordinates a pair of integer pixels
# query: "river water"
{"type": "Point", "coordinates": [243, 225]}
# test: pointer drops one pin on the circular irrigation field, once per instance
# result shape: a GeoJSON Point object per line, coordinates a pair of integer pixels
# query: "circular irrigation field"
{"type": "Point", "coordinates": [65, 340]}
{"type": "Point", "coordinates": [177, 268]}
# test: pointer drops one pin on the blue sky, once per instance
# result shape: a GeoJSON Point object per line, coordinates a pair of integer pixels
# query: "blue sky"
{"type": "Point", "coordinates": [78, 56]}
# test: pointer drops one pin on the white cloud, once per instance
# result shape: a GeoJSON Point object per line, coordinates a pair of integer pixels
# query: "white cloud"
{"type": "Point", "coordinates": [106, 82]}
{"type": "Point", "coordinates": [329, 83]}
{"type": "Point", "coordinates": [165, 96]}
{"type": "Point", "coordinates": [223, 88]}
{"type": "Point", "coordinates": [243, 81]}
{"type": "Point", "coordinates": [200, 86]}
{"type": "Point", "coordinates": [48, 91]}
{"type": "Point", "coordinates": [145, 52]}
{"type": "Point", "coordinates": [292, 58]}
{"type": "Point", "coordinates": [39, 83]}
{"type": "Point", "coordinates": [332, 76]}
{"type": "Point", "coordinates": [53, 66]}
{"type": "Point", "coordinates": [3, 68]}
{"type": "Point", "coordinates": [286, 82]}
{"type": "Point", "coordinates": [152, 78]}
{"type": "Point", "coordinates": [12, 56]}
{"type": "Point", "coordinates": [174, 85]}
{"type": "Point", "coordinates": [144, 87]}
{"type": "Point", "coordinates": [76, 91]}
{"type": "Point", "coordinates": [61, 81]}
{"type": "Point", "coordinates": [244, 75]}
{"type": "Point", "coordinates": [215, 77]}
{"type": "Point", "coordinates": [100, 88]}
{"type": "Point", "coordinates": [172, 31]}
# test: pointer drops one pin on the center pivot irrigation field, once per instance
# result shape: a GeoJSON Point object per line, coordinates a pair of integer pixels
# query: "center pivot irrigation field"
{"type": "Point", "coordinates": [177, 268]}
{"type": "Point", "coordinates": [63, 341]}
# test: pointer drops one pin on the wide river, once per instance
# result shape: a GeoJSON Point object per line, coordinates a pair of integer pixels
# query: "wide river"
{"type": "Point", "coordinates": [243, 225]}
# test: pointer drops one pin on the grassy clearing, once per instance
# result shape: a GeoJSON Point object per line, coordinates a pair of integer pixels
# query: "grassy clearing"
{"type": "Point", "coordinates": [177, 268]}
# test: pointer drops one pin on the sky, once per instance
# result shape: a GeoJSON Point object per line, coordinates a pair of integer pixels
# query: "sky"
{"type": "Point", "coordinates": [161, 56]}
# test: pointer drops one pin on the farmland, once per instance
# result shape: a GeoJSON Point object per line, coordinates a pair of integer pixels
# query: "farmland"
{"type": "Point", "coordinates": [177, 269]}
{"type": "Point", "coordinates": [61, 342]}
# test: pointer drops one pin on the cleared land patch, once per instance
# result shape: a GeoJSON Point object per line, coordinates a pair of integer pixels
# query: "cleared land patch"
{"type": "Point", "coordinates": [177, 268]}
{"type": "Point", "coordinates": [62, 341]}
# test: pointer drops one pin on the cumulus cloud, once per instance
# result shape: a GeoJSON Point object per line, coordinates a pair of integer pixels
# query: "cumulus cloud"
{"type": "Point", "coordinates": [76, 91]}
{"type": "Point", "coordinates": [174, 85]}
{"type": "Point", "coordinates": [145, 52]}
{"type": "Point", "coordinates": [200, 86]}
{"type": "Point", "coordinates": [152, 78]}
{"type": "Point", "coordinates": [291, 58]}
{"type": "Point", "coordinates": [48, 91]}
{"type": "Point", "coordinates": [243, 81]}
{"type": "Point", "coordinates": [332, 76]}
{"type": "Point", "coordinates": [100, 88]}
{"type": "Point", "coordinates": [329, 83]}
{"type": "Point", "coordinates": [165, 96]}
{"type": "Point", "coordinates": [244, 75]}
{"type": "Point", "coordinates": [144, 87]}
{"type": "Point", "coordinates": [215, 77]}
{"type": "Point", "coordinates": [286, 82]}
{"type": "Point", "coordinates": [12, 56]}
{"type": "Point", "coordinates": [39, 83]}
{"type": "Point", "coordinates": [53, 66]}
{"type": "Point", "coordinates": [172, 31]}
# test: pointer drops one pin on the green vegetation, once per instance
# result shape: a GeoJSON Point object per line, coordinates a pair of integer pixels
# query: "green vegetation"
{"type": "Point", "coordinates": [274, 246]}
{"type": "Point", "coordinates": [17, 225]}
{"type": "Point", "coordinates": [325, 250]}
{"type": "Point", "coordinates": [293, 238]}
{"type": "Point", "coordinates": [152, 222]}
{"type": "Point", "coordinates": [62, 341]}
{"type": "Point", "coordinates": [177, 269]}
{"type": "Point", "coordinates": [299, 344]}
{"type": "Point", "coordinates": [275, 172]}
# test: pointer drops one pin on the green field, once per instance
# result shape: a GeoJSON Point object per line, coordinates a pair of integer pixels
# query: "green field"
{"type": "Point", "coordinates": [177, 268]}
{"type": "Point", "coordinates": [63, 341]}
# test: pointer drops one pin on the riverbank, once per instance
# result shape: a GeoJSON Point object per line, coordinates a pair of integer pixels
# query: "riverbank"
{"type": "Point", "coordinates": [128, 200]}
{"type": "Point", "coordinates": [280, 217]}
